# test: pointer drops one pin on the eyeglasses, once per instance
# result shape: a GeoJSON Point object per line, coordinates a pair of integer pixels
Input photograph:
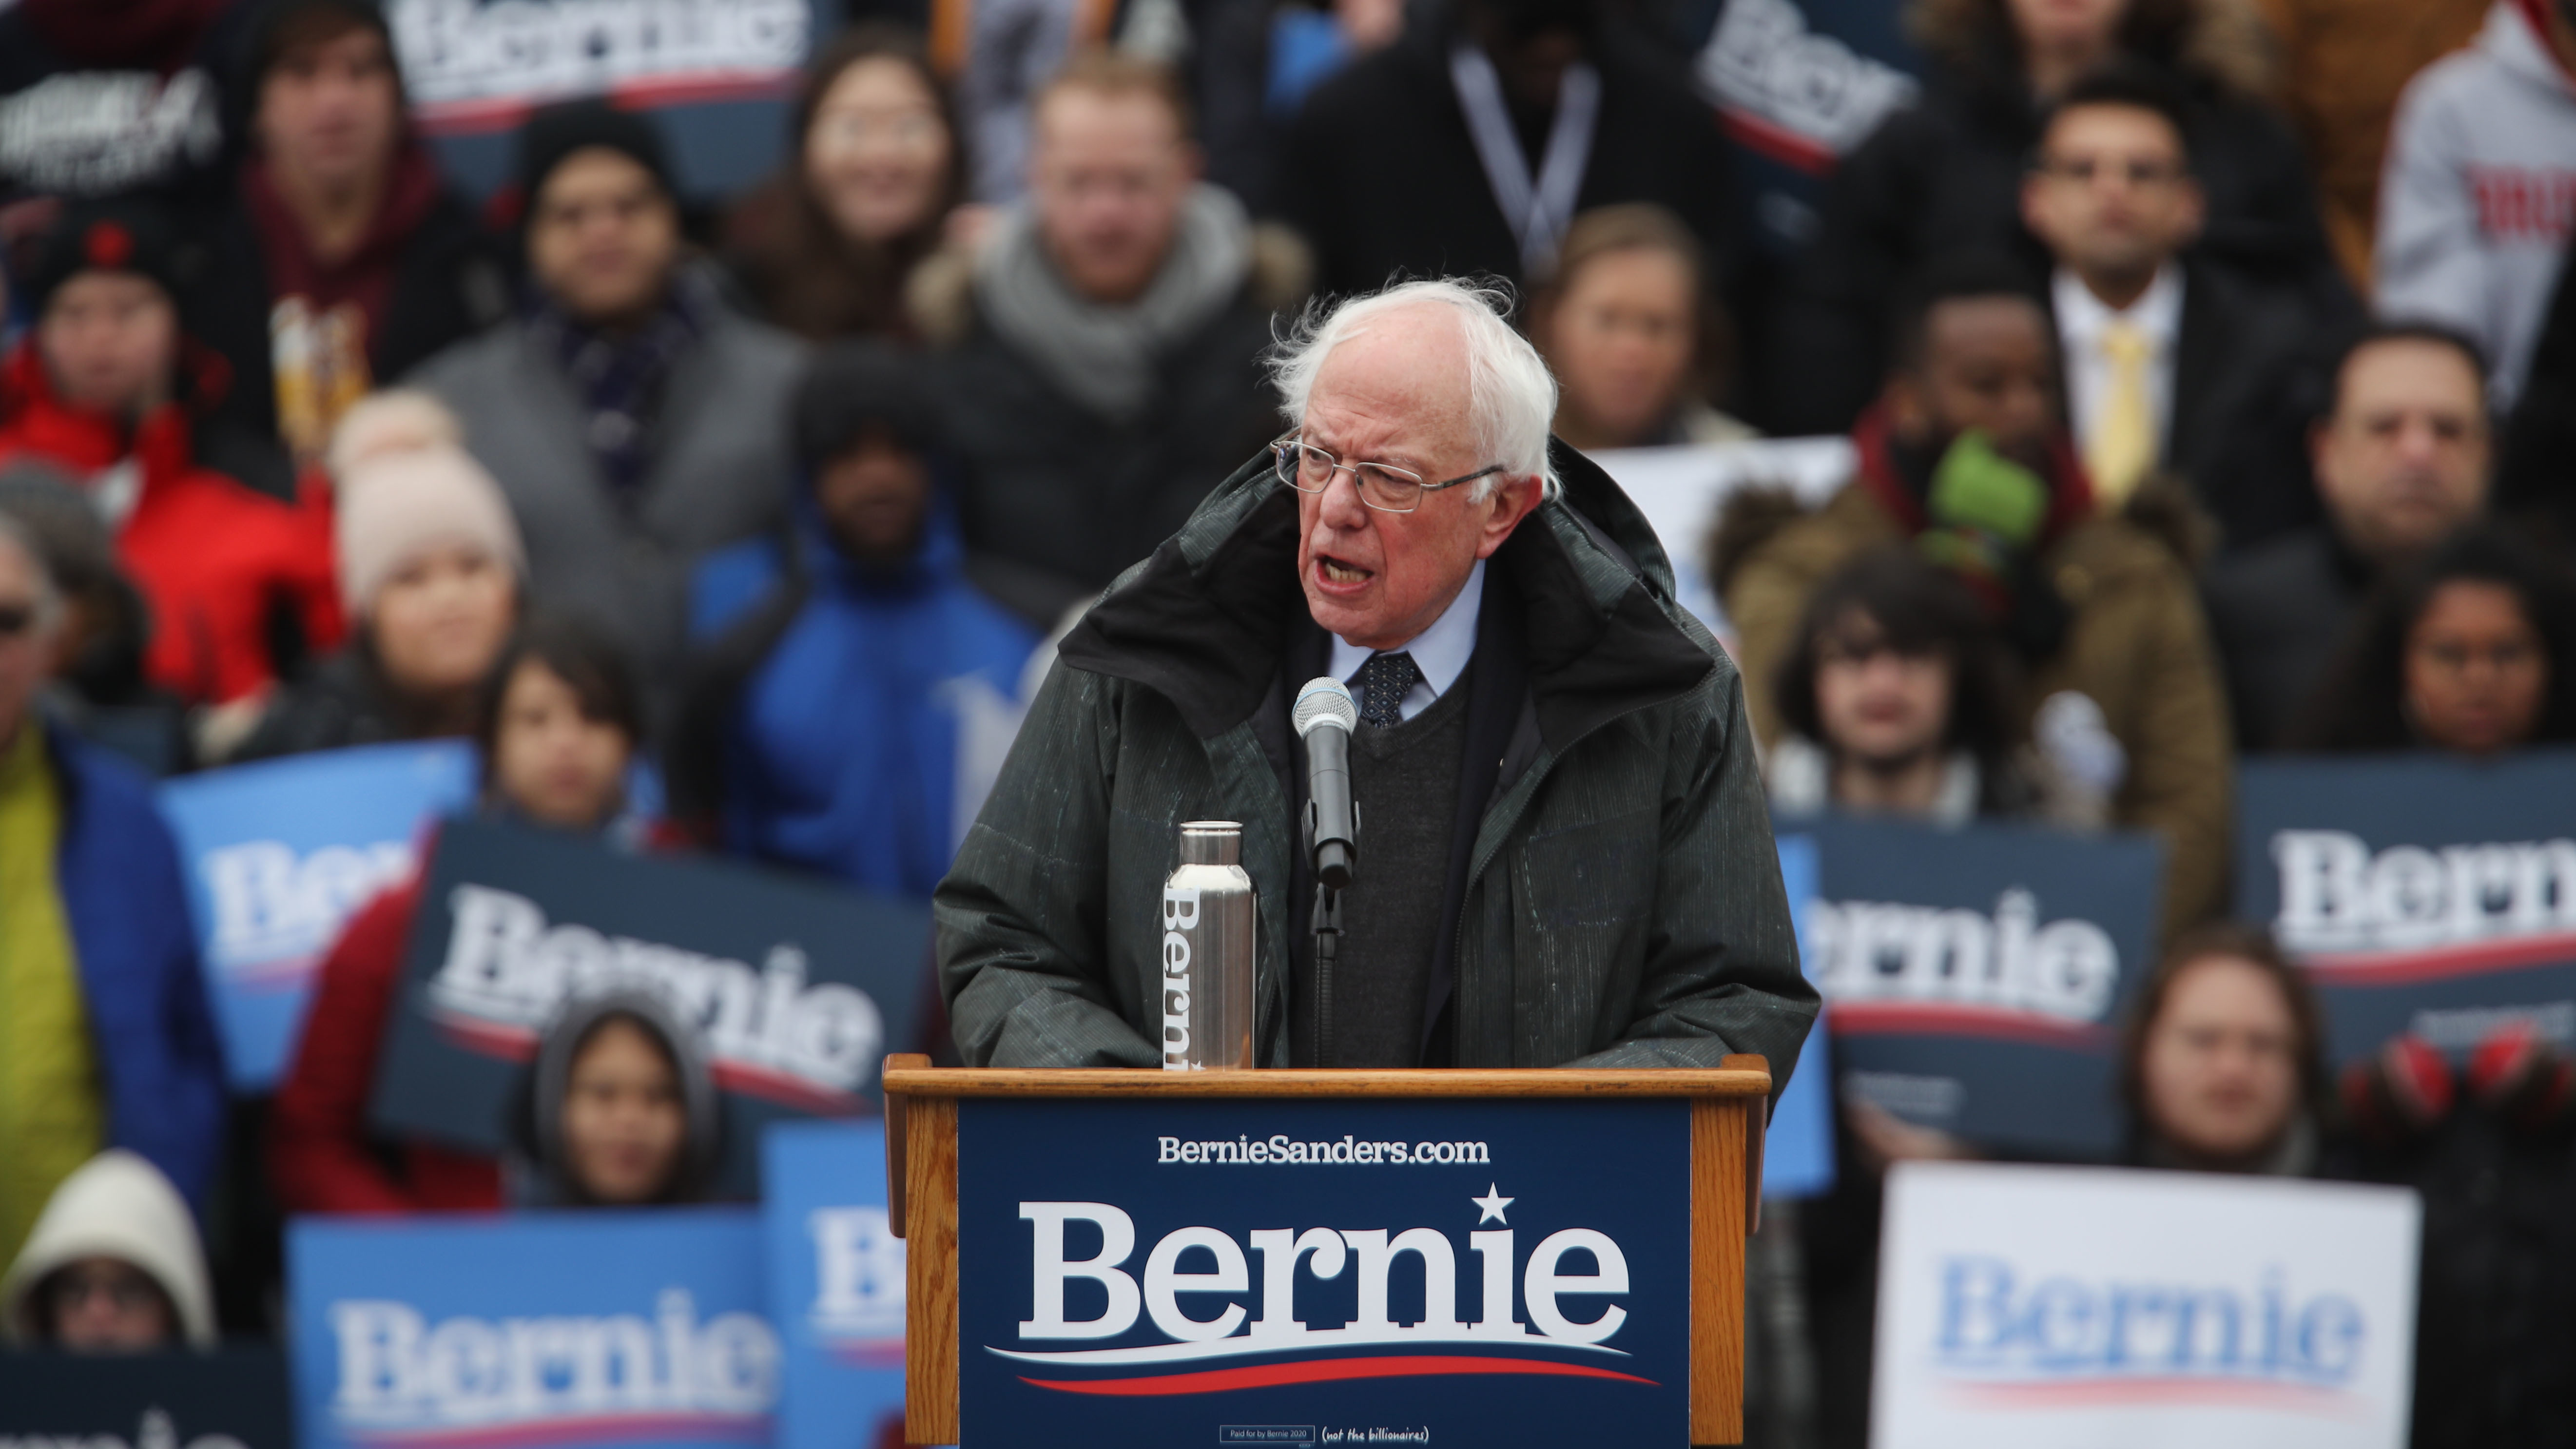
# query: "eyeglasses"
{"type": "Point", "coordinates": [2083, 169]}
{"type": "Point", "coordinates": [1382, 486]}
{"type": "Point", "coordinates": [16, 619]}
{"type": "Point", "coordinates": [124, 1288]}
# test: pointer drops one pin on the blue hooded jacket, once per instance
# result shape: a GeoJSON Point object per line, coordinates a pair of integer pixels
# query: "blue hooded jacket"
{"type": "Point", "coordinates": [843, 750]}
{"type": "Point", "coordinates": [126, 900]}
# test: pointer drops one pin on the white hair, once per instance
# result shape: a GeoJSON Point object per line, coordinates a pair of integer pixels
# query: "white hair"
{"type": "Point", "coordinates": [1511, 396]}
{"type": "Point", "coordinates": [17, 537]}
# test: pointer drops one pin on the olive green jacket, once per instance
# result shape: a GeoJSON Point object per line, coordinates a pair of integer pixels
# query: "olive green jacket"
{"type": "Point", "coordinates": [1621, 904]}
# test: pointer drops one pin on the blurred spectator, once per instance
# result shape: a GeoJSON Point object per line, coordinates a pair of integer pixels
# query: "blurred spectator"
{"type": "Point", "coordinates": [430, 570]}
{"type": "Point", "coordinates": [2400, 463]}
{"type": "Point", "coordinates": [1945, 174]}
{"type": "Point", "coordinates": [107, 1040]}
{"type": "Point", "coordinates": [2343, 63]}
{"type": "Point", "coordinates": [1470, 146]}
{"type": "Point", "coordinates": [2222, 1063]}
{"type": "Point", "coordinates": [1254, 65]}
{"type": "Point", "coordinates": [106, 386]}
{"type": "Point", "coordinates": [2486, 1147]}
{"type": "Point", "coordinates": [559, 720]}
{"type": "Point", "coordinates": [341, 260]}
{"type": "Point", "coordinates": [632, 419]}
{"type": "Point", "coordinates": [850, 660]}
{"type": "Point", "coordinates": [1896, 698]}
{"type": "Point", "coordinates": [113, 1266]}
{"type": "Point", "coordinates": [99, 97]}
{"type": "Point", "coordinates": [826, 246]}
{"type": "Point", "coordinates": [622, 1108]}
{"type": "Point", "coordinates": [2537, 472]}
{"type": "Point", "coordinates": [1637, 338]}
{"type": "Point", "coordinates": [98, 690]}
{"type": "Point", "coordinates": [1965, 455]}
{"type": "Point", "coordinates": [2479, 203]}
{"type": "Point", "coordinates": [2172, 363]}
{"type": "Point", "coordinates": [1101, 366]}
{"type": "Point", "coordinates": [2471, 651]}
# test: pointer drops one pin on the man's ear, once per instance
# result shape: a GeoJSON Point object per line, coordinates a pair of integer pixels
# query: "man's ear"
{"type": "Point", "coordinates": [1907, 416]}
{"type": "Point", "coordinates": [2195, 212]}
{"type": "Point", "coordinates": [1512, 503]}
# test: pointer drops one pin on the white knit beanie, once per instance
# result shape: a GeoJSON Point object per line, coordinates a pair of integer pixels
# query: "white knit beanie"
{"type": "Point", "coordinates": [382, 424]}
{"type": "Point", "coordinates": [395, 506]}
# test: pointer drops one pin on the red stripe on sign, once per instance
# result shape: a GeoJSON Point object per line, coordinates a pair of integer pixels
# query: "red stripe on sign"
{"type": "Point", "coordinates": [2399, 968]}
{"type": "Point", "coordinates": [1942, 1018]}
{"type": "Point", "coordinates": [1764, 138]}
{"type": "Point", "coordinates": [586, 1429]}
{"type": "Point", "coordinates": [1325, 1371]}
{"type": "Point", "coordinates": [501, 113]}
{"type": "Point", "coordinates": [2177, 1389]}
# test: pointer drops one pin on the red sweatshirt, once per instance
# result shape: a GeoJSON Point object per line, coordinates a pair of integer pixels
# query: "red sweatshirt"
{"type": "Point", "coordinates": [321, 1156]}
{"type": "Point", "coordinates": [215, 559]}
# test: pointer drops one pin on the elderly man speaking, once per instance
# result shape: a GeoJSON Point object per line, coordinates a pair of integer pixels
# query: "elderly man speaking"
{"type": "Point", "coordinates": [1566, 860]}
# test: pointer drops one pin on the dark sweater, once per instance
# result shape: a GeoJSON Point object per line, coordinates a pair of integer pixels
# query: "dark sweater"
{"type": "Point", "coordinates": [1405, 780]}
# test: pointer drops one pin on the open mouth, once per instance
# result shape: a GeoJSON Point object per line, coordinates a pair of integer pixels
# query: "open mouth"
{"type": "Point", "coordinates": [1334, 571]}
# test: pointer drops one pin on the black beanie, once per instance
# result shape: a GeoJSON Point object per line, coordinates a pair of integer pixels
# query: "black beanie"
{"type": "Point", "coordinates": [268, 30]}
{"type": "Point", "coordinates": [559, 130]}
{"type": "Point", "coordinates": [114, 234]}
{"type": "Point", "coordinates": [851, 387]}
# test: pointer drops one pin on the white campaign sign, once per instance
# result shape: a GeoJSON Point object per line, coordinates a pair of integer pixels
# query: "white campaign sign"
{"type": "Point", "coordinates": [2101, 1308]}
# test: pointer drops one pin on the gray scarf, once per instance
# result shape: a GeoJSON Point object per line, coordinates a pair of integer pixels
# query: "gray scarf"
{"type": "Point", "coordinates": [1108, 358]}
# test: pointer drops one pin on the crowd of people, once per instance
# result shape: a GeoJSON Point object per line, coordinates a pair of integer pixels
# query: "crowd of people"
{"type": "Point", "coordinates": [2210, 371]}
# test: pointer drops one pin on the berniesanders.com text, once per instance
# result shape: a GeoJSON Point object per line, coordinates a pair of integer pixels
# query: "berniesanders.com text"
{"type": "Point", "coordinates": [1282, 1149]}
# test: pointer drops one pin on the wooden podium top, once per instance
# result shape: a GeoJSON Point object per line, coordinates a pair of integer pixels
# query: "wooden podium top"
{"type": "Point", "coordinates": [910, 1074]}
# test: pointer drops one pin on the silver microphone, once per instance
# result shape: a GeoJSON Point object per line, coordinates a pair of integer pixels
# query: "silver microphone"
{"type": "Point", "coordinates": [1325, 716]}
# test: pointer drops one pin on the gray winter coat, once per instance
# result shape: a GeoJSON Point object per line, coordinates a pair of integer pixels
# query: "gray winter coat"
{"type": "Point", "coordinates": [721, 465]}
{"type": "Point", "coordinates": [1621, 905]}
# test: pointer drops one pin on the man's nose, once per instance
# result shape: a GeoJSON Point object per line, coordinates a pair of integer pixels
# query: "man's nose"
{"type": "Point", "coordinates": [1339, 505]}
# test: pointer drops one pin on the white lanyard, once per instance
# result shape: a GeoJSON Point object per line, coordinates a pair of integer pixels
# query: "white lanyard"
{"type": "Point", "coordinates": [1537, 213]}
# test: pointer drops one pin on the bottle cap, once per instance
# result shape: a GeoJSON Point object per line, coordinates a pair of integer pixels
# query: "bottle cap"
{"type": "Point", "coordinates": [1211, 842]}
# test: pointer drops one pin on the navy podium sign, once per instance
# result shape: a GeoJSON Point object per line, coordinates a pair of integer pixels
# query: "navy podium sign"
{"type": "Point", "coordinates": [2424, 894]}
{"type": "Point", "coordinates": [1149, 1271]}
{"type": "Point", "coordinates": [1974, 978]}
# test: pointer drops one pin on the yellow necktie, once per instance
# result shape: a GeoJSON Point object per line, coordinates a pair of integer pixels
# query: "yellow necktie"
{"type": "Point", "coordinates": [2123, 446]}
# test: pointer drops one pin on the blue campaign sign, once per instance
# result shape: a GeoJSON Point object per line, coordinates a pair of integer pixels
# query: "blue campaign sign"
{"type": "Point", "coordinates": [798, 988]}
{"type": "Point", "coordinates": [1798, 1149]}
{"type": "Point", "coordinates": [1303, 1273]}
{"type": "Point", "coordinates": [835, 1285]}
{"type": "Point", "coordinates": [2424, 894]}
{"type": "Point", "coordinates": [279, 855]}
{"type": "Point", "coordinates": [629, 1328]}
{"type": "Point", "coordinates": [1974, 978]}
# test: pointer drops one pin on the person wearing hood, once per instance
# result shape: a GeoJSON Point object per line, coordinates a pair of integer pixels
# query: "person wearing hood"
{"type": "Point", "coordinates": [430, 576]}
{"type": "Point", "coordinates": [848, 665]}
{"type": "Point", "coordinates": [631, 416]}
{"type": "Point", "coordinates": [113, 1266]}
{"type": "Point", "coordinates": [620, 1108]}
{"type": "Point", "coordinates": [108, 1040]}
{"type": "Point", "coordinates": [1569, 863]}
{"type": "Point", "coordinates": [1097, 354]}
{"type": "Point", "coordinates": [342, 258]}
{"type": "Point", "coordinates": [559, 721]}
{"type": "Point", "coordinates": [1967, 459]}
{"type": "Point", "coordinates": [108, 387]}
{"type": "Point", "coordinates": [2478, 204]}
{"type": "Point", "coordinates": [98, 690]}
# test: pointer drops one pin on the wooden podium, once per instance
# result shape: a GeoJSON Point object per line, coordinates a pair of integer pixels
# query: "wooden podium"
{"type": "Point", "coordinates": [1724, 1177]}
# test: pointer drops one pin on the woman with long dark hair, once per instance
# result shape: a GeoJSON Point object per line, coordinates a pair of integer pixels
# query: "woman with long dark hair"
{"type": "Point", "coordinates": [2472, 651]}
{"type": "Point", "coordinates": [826, 246]}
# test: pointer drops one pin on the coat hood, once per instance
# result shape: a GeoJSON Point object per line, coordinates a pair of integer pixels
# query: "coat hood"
{"type": "Point", "coordinates": [1205, 620]}
{"type": "Point", "coordinates": [2516, 34]}
{"type": "Point", "coordinates": [116, 1206]}
{"type": "Point", "coordinates": [550, 1078]}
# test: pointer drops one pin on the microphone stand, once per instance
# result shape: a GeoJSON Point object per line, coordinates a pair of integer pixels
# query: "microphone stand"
{"type": "Point", "coordinates": [1328, 942]}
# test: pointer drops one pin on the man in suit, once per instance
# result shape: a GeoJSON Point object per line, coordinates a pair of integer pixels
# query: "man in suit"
{"type": "Point", "coordinates": [2172, 367]}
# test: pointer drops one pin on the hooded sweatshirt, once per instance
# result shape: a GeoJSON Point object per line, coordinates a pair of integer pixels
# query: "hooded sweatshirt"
{"type": "Point", "coordinates": [117, 1206]}
{"type": "Point", "coordinates": [546, 1174]}
{"type": "Point", "coordinates": [2479, 198]}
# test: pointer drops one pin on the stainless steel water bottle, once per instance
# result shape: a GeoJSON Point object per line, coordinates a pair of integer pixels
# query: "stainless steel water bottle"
{"type": "Point", "coordinates": [1208, 913]}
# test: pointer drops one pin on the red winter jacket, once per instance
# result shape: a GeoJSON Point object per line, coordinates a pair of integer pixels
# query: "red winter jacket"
{"type": "Point", "coordinates": [321, 1156]}
{"type": "Point", "coordinates": [217, 560]}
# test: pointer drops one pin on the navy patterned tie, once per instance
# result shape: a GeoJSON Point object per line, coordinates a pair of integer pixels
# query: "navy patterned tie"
{"type": "Point", "coordinates": [1384, 682]}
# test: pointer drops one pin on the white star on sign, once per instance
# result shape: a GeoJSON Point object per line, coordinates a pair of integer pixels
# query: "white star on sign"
{"type": "Point", "coordinates": [1493, 1202]}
